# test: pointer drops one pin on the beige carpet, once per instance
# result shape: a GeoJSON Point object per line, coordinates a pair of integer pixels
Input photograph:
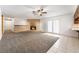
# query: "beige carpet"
{"type": "Point", "coordinates": [26, 42]}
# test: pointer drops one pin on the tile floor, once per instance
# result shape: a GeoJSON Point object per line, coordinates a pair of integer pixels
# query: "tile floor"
{"type": "Point", "coordinates": [65, 45]}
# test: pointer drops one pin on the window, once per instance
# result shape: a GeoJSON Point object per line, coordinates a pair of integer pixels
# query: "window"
{"type": "Point", "coordinates": [49, 26]}
{"type": "Point", "coordinates": [56, 26]}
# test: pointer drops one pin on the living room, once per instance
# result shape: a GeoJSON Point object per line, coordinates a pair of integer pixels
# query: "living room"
{"type": "Point", "coordinates": [50, 20]}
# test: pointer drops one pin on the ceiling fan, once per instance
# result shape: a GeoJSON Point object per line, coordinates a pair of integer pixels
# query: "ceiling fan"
{"type": "Point", "coordinates": [39, 12]}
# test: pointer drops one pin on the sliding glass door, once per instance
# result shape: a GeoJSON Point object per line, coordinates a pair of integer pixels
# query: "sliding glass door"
{"type": "Point", "coordinates": [53, 26]}
{"type": "Point", "coordinates": [50, 26]}
{"type": "Point", "coordinates": [56, 26]}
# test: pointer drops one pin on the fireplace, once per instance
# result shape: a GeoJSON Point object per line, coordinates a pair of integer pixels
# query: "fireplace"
{"type": "Point", "coordinates": [32, 27]}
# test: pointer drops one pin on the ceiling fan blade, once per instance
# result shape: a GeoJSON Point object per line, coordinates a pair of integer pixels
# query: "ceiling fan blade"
{"type": "Point", "coordinates": [42, 9]}
{"type": "Point", "coordinates": [33, 11]}
{"type": "Point", "coordinates": [40, 14]}
{"type": "Point", "coordinates": [38, 11]}
{"type": "Point", "coordinates": [44, 12]}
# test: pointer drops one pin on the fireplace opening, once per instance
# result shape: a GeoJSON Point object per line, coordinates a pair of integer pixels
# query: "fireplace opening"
{"type": "Point", "coordinates": [32, 27]}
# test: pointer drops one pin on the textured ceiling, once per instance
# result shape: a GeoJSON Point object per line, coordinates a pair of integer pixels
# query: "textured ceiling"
{"type": "Point", "coordinates": [25, 11]}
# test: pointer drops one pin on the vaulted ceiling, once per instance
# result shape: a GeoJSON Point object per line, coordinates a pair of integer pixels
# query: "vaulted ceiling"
{"type": "Point", "coordinates": [25, 11]}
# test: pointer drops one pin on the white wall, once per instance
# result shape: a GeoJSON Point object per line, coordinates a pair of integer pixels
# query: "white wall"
{"type": "Point", "coordinates": [19, 21]}
{"type": "Point", "coordinates": [0, 25]}
{"type": "Point", "coordinates": [44, 26]}
{"type": "Point", "coordinates": [65, 24]}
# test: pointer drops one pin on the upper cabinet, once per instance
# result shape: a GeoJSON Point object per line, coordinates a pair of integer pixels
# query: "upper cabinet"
{"type": "Point", "coordinates": [76, 16]}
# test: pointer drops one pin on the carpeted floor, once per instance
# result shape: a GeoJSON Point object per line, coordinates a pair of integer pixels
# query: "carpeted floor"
{"type": "Point", "coordinates": [26, 42]}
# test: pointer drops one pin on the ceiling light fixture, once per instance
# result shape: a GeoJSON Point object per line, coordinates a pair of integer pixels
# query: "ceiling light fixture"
{"type": "Point", "coordinates": [39, 12]}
